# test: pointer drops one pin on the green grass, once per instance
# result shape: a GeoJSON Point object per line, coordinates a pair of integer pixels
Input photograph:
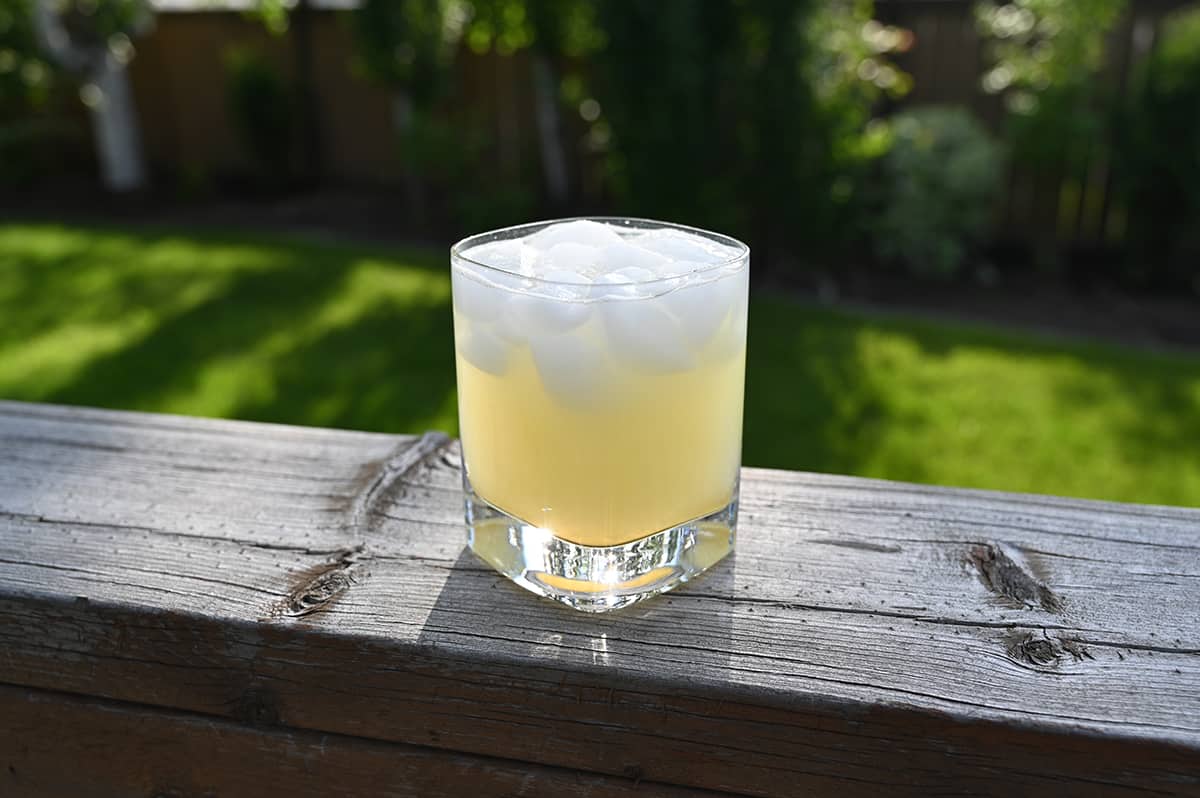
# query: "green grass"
{"type": "Point", "coordinates": [296, 331]}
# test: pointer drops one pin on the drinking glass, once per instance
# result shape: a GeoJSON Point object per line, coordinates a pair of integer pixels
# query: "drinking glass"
{"type": "Point", "coordinates": [600, 372]}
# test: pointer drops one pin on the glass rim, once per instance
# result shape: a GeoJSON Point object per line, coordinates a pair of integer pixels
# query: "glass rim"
{"type": "Point", "coordinates": [457, 249]}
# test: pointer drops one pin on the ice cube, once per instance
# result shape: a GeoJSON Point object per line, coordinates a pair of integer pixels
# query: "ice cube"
{"type": "Point", "coordinates": [507, 255]}
{"type": "Point", "coordinates": [701, 307]}
{"type": "Point", "coordinates": [573, 369]}
{"type": "Point", "coordinates": [627, 283]}
{"type": "Point", "coordinates": [642, 334]}
{"type": "Point", "coordinates": [580, 231]}
{"type": "Point", "coordinates": [623, 255]}
{"type": "Point", "coordinates": [678, 245]}
{"type": "Point", "coordinates": [508, 325]}
{"type": "Point", "coordinates": [731, 340]}
{"type": "Point", "coordinates": [482, 348]}
{"type": "Point", "coordinates": [555, 303]}
{"type": "Point", "coordinates": [473, 297]}
{"type": "Point", "coordinates": [568, 257]}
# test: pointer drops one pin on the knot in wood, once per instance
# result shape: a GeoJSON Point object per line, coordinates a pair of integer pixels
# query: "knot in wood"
{"type": "Point", "coordinates": [1035, 650]}
{"type": "Point", "coordinates": [317, 592]}
{"type": "Point", "coordinates": [317, 587]}
{"type": "Point", "coordinates": [1007, 577]}
{"type": "Point", "coordinates": [1043, 651]}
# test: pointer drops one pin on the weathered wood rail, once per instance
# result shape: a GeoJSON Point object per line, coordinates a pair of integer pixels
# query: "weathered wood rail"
{"type": "Point", "coordinates": [194, 607]}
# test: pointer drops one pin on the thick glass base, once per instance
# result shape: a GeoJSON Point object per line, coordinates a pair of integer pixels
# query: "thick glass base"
{"type": "Point", "coordinates": [597, 578]}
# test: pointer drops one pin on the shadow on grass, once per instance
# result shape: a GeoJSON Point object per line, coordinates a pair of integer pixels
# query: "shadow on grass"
{"type": "Point", "coordinates": [281, 330]}
{"type": "Point", "coordinates": [808, 404]}
{"type": "Point", "coordinates": [391, 370]}
{"type": "Point", "coordinates": [300, 331]}
{"type": "Point", "coordinates": [964, 405]}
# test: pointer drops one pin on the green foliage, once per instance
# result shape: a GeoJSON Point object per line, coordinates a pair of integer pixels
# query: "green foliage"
{"type": "Point", "coordinates": [657, 83]}
{"type": "Point", "coordinates": [409, 44]}
{"type": "Point", "coordinates": [96, 31]}
{"type": "Point", "coordinates": [940, 181]}
{"type": "Point", "coordinates": [35, 139]}
{"type": "Point", "coordinates": [502, 25]}
{"type": "Point", "coordinates": [565, 27]}
{"type": "Point", "coordinates": [688, 104]}
{"type": "Point", "coordinates": [260, 106]}
{"type": "Point", "coordinates": [556, 27]}
{"type": "Point", "coordinates": [272, 14]}
{"type": "Point", "coordinates": [292, 330]}
{"type": "Point", "coordinates": [1159, 155]}
{"type": "Point", "coordinates": [849, 64]}
{"type": "Point", "coordinates": [449, 151]}
{"type": "Point", "coordinates": [1046, 56]}
{"type": "Point", "coordinates": [762, 101]}
{"type": "Point", "coordinates": [850, 70]}
{"type": "Point", "coordinates": [26, 77]}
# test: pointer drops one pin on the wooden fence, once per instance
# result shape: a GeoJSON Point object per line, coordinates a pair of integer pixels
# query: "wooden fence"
{"type": "Point", "coordinates": [179, 83]}
{"type": "Point", "coordinates": [947, 63]}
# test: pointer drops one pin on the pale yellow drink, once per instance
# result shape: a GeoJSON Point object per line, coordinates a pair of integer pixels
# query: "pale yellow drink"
{"type": "Point", "coordinates": [658, 450]}
{"type": "Point", "coordinates": [600, 394]}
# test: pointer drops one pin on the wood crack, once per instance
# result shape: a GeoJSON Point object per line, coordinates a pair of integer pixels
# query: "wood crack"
{"type": "Point", "coordinates": [935, 619]}
{"type": "Point", "coordinates": [1139, 647]}
{"type": "Point", "coordinates": [404, 459]}
{"type": "Point", "coordinates": [169, 533]}
{"type": "Point", "coordinates": [317, 588]}
{"type": "Point", "coordinates": [860, 545]}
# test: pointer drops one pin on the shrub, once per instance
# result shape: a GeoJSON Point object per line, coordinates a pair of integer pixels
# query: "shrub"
{"type": "Point", "coordinates": [40, 136]}
{"type": "Point", "coordinates": [26, 77]}
{"type": "Point", "coordinates": [939, 183]}
{"type": "Point", "coordinates": [746, 117]}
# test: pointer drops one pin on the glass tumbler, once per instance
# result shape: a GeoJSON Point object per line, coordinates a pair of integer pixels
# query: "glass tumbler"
{"type": "Point", "coordinates": [601, 368]}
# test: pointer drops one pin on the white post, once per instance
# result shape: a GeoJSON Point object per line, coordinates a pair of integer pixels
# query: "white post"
{"type": "Point", "coordinates": [115, 127]}
{"type": "Point", "coordinates": [114, 118]}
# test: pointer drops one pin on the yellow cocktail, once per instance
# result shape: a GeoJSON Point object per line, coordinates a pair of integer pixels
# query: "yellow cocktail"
{"type": "Point", "coordinates": [600, 381]}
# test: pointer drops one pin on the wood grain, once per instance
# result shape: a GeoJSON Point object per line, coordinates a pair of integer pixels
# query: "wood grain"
{"type": "Point", "coordinates": [54, 744]}
{"type": "Point", "coordinates": [868, 635]}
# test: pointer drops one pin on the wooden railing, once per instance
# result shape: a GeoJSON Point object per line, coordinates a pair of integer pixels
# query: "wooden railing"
{"type": "Point", "coordinates": [197, 607]}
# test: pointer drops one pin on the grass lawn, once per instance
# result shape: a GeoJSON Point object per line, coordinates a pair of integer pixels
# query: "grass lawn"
{"type": "Point", "coordinates": [289, 330]}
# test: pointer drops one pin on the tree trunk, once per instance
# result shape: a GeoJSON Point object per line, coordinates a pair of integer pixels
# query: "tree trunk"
{"type": "Point", "coordinates": [554, 165]}
{"type": "Point", "coordinates": [114, 118]}
{"type": "Point", "coordinates": [115, 127]}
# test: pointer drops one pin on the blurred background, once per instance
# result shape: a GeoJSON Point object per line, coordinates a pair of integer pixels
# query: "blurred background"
{"type": "Point", "coordinates": [975, 225]}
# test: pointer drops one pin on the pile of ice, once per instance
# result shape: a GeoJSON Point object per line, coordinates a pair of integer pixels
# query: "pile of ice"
{"type": "Point", "coordinates": [657, 295]}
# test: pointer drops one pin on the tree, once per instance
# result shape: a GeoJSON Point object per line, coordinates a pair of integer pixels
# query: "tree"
{"type": "Point", "coordinates": [748, 117]}
{"type": "Point", "coordinates": [561, 29]}
{"type": "Point", "coordinates": [552, 32]}
{"type": "Point", "coordinates": [1046, 55]}
{"type": "Point", "coordinates": [408, 46]}
{"type": "Point", "coordinates": [93, 40]}
{"type": "Point", "coordinates": [26, 77]}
